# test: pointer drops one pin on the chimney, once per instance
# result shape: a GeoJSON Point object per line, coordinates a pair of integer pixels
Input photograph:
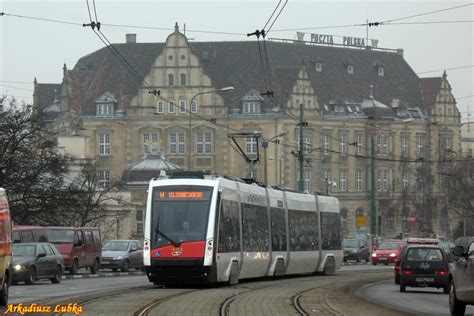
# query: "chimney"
{"type": "Point", "coordinates": [130, 38]}
{"type": "Point", "coordinates": [400, 51]}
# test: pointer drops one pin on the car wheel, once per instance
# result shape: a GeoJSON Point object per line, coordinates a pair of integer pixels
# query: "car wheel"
{"type": "Point", "coordinates": [446, 289]}
{"type": "Point", "coordinates": [73, 269]}
{"type": "Point", "coordinates": [397, 280]}
{"type": "Point", "coordinates": [57, 276]}
{"type": "Point", "coordinates": [31, 276]}
{"type": "Point", "coordinates": [374, 263]}
{"type": "Point", "coordinates": [4, 291]}
{"type": "Point", "coordinates": [358, 258]}
{"type": "Point", "coordinates": [126, 266]}
{"type": "Point", "coordinates": [95, 267]}
{"type": "Point", "coordinates": [403, 288]}
{"type": "Point", "coordinates": [386, 263]}
{"type": "Point", "coordinates": [456, 307]}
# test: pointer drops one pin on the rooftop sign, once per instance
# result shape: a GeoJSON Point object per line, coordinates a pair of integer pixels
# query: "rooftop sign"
{"type": "Point", "coordinates": [343, 40]}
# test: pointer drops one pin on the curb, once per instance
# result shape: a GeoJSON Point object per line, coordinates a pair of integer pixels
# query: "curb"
{"type": "Point", "coordinates": [100, 275]}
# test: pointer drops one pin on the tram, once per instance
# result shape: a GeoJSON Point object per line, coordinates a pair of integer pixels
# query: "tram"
{"type": "Point", "coordinates": [206, 229]}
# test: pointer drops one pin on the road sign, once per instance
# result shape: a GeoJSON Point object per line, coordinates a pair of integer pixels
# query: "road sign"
{"type": "Point", "coordinates": [361, 221]}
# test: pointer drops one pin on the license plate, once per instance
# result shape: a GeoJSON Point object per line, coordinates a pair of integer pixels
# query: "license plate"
{"type": "Point", "coordinates": [424, 279]}
{"type": "Point", "coordinates": [382, 258]}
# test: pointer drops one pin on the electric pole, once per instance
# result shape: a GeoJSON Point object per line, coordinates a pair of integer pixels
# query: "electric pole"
{"type": "Point", "coordinates": [301, 153]}
{"type": "Point", "coordinates": [373, 188]}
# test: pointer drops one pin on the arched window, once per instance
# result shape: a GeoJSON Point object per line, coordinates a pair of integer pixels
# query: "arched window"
{"type": "Point", "coordinates": [170, 80]}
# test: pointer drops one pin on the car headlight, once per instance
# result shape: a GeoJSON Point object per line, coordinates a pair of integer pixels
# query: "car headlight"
{"type": "Point", "coordinates": [393, 255]}
{"type": "Point", "coordinates": [374, 255]}
{"type": "Point", "coordinates": [118, 258]}
{"type": "Point", "coordinates": [18, 267]}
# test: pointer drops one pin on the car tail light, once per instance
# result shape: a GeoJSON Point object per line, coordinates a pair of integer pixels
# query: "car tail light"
{"type": "Point", "coordinates": [407, 272]}
{"type": "Point", "coordinates": [442, 272]}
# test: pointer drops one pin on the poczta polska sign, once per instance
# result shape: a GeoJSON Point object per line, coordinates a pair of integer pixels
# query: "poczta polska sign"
{"type": "Point", "coordinates": [329, 40]}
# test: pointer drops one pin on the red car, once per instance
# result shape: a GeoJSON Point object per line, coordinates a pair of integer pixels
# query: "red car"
{"type": "Point", "coordinates": [387, 252]}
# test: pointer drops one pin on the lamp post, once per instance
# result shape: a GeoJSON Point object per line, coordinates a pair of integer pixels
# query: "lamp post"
{"type": "Point", "coordinates": [265, 146]}
{"type": "Point", "coordinates": [190, 116]}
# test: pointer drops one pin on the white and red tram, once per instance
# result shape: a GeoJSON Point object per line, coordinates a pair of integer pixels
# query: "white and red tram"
{"type": "Point", "coordinates": [206, 229]}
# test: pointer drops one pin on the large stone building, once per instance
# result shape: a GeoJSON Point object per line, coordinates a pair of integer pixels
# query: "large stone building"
{"type": "Point", "coordinates": [350, 97]}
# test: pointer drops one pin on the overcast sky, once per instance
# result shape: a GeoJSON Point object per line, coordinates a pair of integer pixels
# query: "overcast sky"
{"type": "Point", "coordinates": [34, 48]}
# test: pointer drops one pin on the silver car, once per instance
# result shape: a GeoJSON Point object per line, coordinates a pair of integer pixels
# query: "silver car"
{"type": "Point", "coordinates": [122, 254]}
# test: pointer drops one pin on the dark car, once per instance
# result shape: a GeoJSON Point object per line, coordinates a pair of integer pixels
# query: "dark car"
{"type": "Point", "coordinates": [33, 261]}
{"type": "Point", "coordinates": [461, 280]}
{"type": "Point", "coordinates": [355, 249]}
{"type": "Point", "coordinates": [424, 266]}
{"type": "Point", "coordinates": [122, 254]}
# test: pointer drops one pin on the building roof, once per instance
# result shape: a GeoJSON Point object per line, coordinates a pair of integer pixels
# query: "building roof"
{"type": "Point", "coordinates": [141, 172]}
{"type": "Point", "coordinates": [239, 64]}
{"type": "Point", "coordinates": [429, 89]}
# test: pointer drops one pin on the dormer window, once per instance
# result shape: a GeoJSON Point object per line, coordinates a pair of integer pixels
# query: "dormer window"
{"type": "Point", "coordinates": [339, 109]}
{"type": "Point", "coordinates": [350, 69]}
{"type": "Point", "coordinates": [380, 71]}
{"type": "Point", "coordinates": [105, 109]}
{"type": "Point", "coordinates": [105, 104]}
{"type": "Point", "coordinates": [319, 67]}
{"type": "Point", "coordinates": [249, 107]}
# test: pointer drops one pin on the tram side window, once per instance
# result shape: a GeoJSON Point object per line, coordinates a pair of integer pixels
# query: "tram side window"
{"type": "Point", "coordinates": [229, 228]}
{"type": "Point", "coordinates": [331, 231]}
{"type": "Point", "coordinates": [255, 228]}
{"type": "Point", "coordinates": [278, 229]}
{"type": "Point", "coordinates": [303, 230]}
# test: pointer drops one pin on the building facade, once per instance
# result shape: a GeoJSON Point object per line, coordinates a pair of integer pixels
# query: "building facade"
{"type": "Point", "coordinates": [355, 105]}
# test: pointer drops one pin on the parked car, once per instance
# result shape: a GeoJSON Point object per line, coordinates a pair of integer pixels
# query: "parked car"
{"type": "Point", "coordinates": [33, 261]}
{"type": "Point", "coordinates": [29, 234]}
{"type": "Point", "coordinates": [6, 268]}
{"type": "Point", "coordinates": [122, 254]}
{"type": "Point", "coordinates": [424, 266]}
{"type": "Point", "coordinates": [81, 247]}
{"type": "Point", "coordinates": [355, 249]}
{"type": "Point", "coordinates": [387, 252]}
{"type": "Point", "coordinates": [461, 285]}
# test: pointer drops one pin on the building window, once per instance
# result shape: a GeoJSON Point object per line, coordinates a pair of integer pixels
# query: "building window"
{"type": "Point", "coordinates": [182, 106]}
{"type": "Point", "coordinates": [339, 109]}
{"type": "Point", "coordinates": [250, 107]}
{"type": "Point", "coordinates": [383, 177]}
{"type": "Point", "coordinates": [420, 146]}
{"type": "Point", "coordinates": [343, 180]}
{"type": "Point", "coordinates": [306, 143]}
{"type": "Point", "coordinates": [326, 144]}
{"type": "Point", "coordinates": [160, 107]}
{"type": "Point", "coordinates": [359, 144]}
{"type": "Point", "coordinates": [194, 106]}
{"type": "Point", "coordinates": [104, 178]}
{"type": "Point", "coordinates": [307, 179]}
{"type": "Point", "coordinates": [204, 142]}
{"type": "Point", "coordinates": [343, 143]}
{"type": "Point", "coordinates": [176, 142]}
{"type": "Point", "coordinates": [382, 145]}
{"type": "Point", "coordinates": [380, 71]}
{"type": "Point", "coordinates": [326, 179]}
{"type": "Point", "coordinates": [105, 109]}
{"type": "Point", "coordinates": [171, 106]}
{"type": "Point", "coordinates": [150, 143]}
{"type": "Point", "coordinates": [251, 145]}
{"type": "Point", "coordinates": [183, 80]}
{"type": "Point", "coordinates": [319, 67]}
{"type": "Point", "coordinates": [405, 140]}
{"type": "Point", "coordinates": [359, 180]}
{"type": "Point", "coordinates": [350, 69]}
{"type": "Point", "coordinates": [405, 180]}
{"type": "Point", "coordinates": [171, 80]}
{"type": "Point", "coordinates": [139, 220]}
{"type": "Point", "coordinates": [104, 144]}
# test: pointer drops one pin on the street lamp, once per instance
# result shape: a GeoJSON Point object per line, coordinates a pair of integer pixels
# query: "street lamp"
{"type": "Point", "coordinates": [190, 116]}
{"type": "Point", "coordinates": [328, 184]}
{"type": "Point", "coordinates": [265, 146]}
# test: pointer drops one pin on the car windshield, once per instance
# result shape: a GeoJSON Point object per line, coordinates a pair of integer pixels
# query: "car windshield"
{"type": "Point", "coordinates": [20, 250]}
{"type": "Point", "coordinates": [60, 236]}
{"type": "Point", "coordinates": [389, 246]}
{"type": "Point", "coordinates": [424, 254]}
{"type": "Point", "coordinates": [116, 245]}
{"type": "Point", "coordinates": [351, 243]}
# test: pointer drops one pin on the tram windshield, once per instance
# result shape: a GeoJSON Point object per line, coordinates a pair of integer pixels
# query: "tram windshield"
{"type": "Point", "coordinates": [180, 214]}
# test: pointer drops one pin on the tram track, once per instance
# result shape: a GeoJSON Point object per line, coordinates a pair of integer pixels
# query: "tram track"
{"type": "Point", "coordinates": [145, 310]}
